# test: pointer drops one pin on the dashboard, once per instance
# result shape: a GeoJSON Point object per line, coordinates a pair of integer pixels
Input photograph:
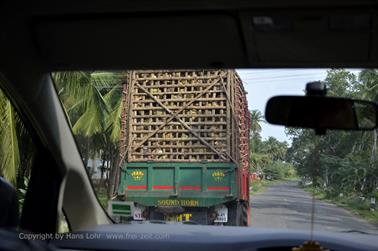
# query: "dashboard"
{"type": "Point", "coordinates": [197, 238]}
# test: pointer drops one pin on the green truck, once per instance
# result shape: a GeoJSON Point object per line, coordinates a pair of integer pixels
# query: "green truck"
{"type": "Point", "coordinates": [184, 148]}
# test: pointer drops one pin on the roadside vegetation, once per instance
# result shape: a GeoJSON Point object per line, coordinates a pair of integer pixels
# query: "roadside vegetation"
{"type": "Point", "coordinates": [342, 166]}
{"type": "Point", "coordinates": [268, 158]}
{"type": "Point", "coordinates": [358, 205]}
{"type": "Point", "coordinates": [92, 101]}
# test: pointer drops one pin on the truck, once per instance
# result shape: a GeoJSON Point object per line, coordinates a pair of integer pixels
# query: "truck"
{"type": "Point", "coordinates": [184, 147]}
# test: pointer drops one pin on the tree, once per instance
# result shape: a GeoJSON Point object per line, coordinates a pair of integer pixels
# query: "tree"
{"type": "Point", "coordinates": [93, 104]}
{"type": "Point", "coordinates": [340, 161]}
{"type": "Point", "coordinates": [256, 118]}
{"type": "Point", "coordinates": [266, 156]}
{"type": "Point", "coordinates": [276, 149]}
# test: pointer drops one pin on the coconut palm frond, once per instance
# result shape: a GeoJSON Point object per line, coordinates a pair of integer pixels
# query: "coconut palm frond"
{"type": "Point", "coordinates": [92, 120]}
{"type": "Point", "coordinates": [9, 151]}
{"type": "Point", "coordinates": [105, 80]}
{"type": "Point", "coordinates": [113, 97]}
{"type": "Point", "coordinates": [255, 119]}
{"type": "Point", "coordinates": [113, 120]}
{"type": "Point", "coordinates": [72, 84]}
{"type": "Point", "coordinates": [115, 125]}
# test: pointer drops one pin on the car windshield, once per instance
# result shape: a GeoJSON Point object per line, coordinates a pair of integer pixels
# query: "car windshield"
{"type": "Point", "coordinates": [193, 147]}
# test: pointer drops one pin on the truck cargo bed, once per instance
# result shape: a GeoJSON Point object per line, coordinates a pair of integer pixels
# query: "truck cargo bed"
{"type": "Point", "coordinates": [179, 184]}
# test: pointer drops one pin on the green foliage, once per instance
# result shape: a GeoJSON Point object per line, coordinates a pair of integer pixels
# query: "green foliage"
{"type": "Point", "coordinates": [274, 171]}
{"type": "Point", "coordinates": [9, 149]}
{"type": "Point", "coordinates": [22, 192]}
{"type": "Point", "coordinates": [16, 146]}
{"type": "Point", "coordinates": [256, 118]}
{"type": "Point", "coordinates": [340, 162]}
{"type": "Point", "coordinates": [279, 170]}
{"type": "Point", "coordinates": [92, 121]}
{"type": "Point", "coordinates": [256, 186]}
{"type": "Point", "coordinates": [92, 101]}
{"type": "Point", "coordinates": [267, 157]}
{"type": "Point", "coordinates": [102, 197]}
{"type": "Point", "coordinates": [113, 120]}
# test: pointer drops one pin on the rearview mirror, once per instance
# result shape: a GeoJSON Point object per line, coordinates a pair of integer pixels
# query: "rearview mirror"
{"type": "Point", "coordinates": [321, 112]}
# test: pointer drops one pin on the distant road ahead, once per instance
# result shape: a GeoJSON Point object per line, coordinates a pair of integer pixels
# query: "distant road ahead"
{"type": "Point", "coordinates": [288, 206]}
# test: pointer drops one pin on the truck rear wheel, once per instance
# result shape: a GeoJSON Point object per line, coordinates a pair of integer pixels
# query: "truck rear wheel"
{"type": "Point", "coordinates": [238, 213]}
{"type": "Point", "coordinates": [232, 214]}
{"type": "Point", "coordinates": [245, 213]}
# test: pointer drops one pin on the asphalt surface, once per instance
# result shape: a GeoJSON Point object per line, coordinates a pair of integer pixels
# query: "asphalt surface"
{"type": "Point", "coordinates": [287, 206]}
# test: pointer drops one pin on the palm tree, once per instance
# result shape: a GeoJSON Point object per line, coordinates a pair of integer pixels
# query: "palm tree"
{"type": "Point", "coordinates": [92, 102]}
{"type": "Point", "coordinates": [276, 149]}
{"type": "Point", "coordinates": [93, 105]}
{"type": "Point", "coordinates": [83, 96]}
{"type": "Point", "coordinates": [255, 139]}
{"type": "Point", "coordinates": [256, 118]}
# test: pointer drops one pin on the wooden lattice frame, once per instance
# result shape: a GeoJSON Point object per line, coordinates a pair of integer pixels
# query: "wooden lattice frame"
{"type": "Point", "coordinates": [183, 116]}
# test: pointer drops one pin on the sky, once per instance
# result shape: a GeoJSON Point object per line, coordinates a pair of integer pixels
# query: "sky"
{"type": "Point", "coordinates": [262, 84]}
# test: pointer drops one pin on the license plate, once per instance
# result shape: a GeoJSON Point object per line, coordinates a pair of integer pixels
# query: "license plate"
{"type": "Point", "coordinates": [137, 214]}
{"type": "Point", "coordinates": [222, 215]}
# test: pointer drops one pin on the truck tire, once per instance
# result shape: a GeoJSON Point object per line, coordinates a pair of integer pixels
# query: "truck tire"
{"type": "Point", "coordinates": [232, 214]}
{"type": "Point", "coordinates": [238, 213]}
{"type": "Point", "coordinates": [244, 213]}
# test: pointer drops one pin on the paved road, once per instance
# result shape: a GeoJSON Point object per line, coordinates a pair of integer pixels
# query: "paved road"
{"type": "Point", "coordinates": [287, 206]}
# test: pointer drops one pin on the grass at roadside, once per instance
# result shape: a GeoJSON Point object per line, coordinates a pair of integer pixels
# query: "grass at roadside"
{"type": "Point", "coordinates": [354, 204]}
{"type": "Point", "coordinates": [102, 197]}
{"type": "Point", "coordinates": [257, 186]}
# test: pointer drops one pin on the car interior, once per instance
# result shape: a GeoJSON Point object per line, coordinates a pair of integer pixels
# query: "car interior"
{"type": "Point", "coordinates": [40, 37]}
